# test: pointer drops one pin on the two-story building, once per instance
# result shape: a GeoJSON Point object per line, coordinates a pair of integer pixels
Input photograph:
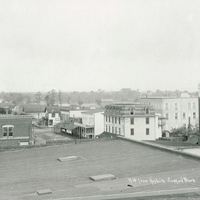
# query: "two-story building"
{"type": "Point", "coordinates": [132, 120]}
{"type": "Point", "coordinates": [177, 111]}
{"type": "Point", "coordinates": [94, 120]}
{"type": "Point", "coordinates": [53, 116]}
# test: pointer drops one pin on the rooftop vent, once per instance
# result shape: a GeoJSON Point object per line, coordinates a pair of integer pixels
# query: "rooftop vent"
{"type": "Point", "coordinates": [68, 158]}
{"type": "Point", "coordinates": [44, 192]}
{"type": "Point", "coordinates": [103, 177]}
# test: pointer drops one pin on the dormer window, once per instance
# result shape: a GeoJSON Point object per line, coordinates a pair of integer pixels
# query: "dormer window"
{"type": "Point", "coordinates": [132, 111]}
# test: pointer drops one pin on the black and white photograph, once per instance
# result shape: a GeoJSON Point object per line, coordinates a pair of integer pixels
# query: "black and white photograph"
{"type": "Point", "coordinates": [99, 100]}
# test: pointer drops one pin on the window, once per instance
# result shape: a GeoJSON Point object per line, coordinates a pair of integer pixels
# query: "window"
{"type": "Point", "coordinates": [167, 116]}
{"type": "Point", "coordinates": [115, 130]}
{"type": "Point", "coordinates": [115, 120]}
{"type": "Point", "coordinates": [166, 106]}
{"type": "Point", "coordinates": [112, 129]}
{"type": "Point", "coordinates": [147, 131]}
{"type": "Point", "coordinates": [176, 115]}
{"type": "Point", "coordinates": [53, 114]}
{"type": "Point", "coordinates": [132, 111]}
{"type": "Point", "coordinates": [51, 122]}
{"type": "Point", "coordinates": [132, 131]}
{"type": "Point", "coordinates": [119, 120]}
{"type": "Point", "coordinates": [109, 119]}
{"type": "Point", "coordinates": [8, 130]}
{"type": "Point", "coordinates": [132, 120]}
{"type": "Point", "coordinates": [4, 131]}
{"type": "Point", "coordinates": [147, 120]}
{"type": "Point", "coordinates": [112, 119]}
{"type": "Point", "coordinates": [119, 130]}
{"type": "Point", "coordinates": [109, 129]}
{"type": "Point", "coordinates": [106, 118]}
{"type": "Point", "coordinates": [176, 106]}
{"type": "Point", "coordinates": [189, 106]}
{"type": "Point", "coordinates": [184, 116]}
{"type": "Point", "coordinates": [147, 110]}
{"type": "Point", "coordinates": [194, 115]}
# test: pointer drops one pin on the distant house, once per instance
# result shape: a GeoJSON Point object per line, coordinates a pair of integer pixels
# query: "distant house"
{"type": "Point", "coordinates": [6, 108]}
{"type": "Point", "coordinates": [53, 116]}
{"type": "Point", "coordinates": [105, 102]}
{"type": "Point", "coordinates": [89, 106]}
{"type": "Point", "coordinates": [37, 111]}
{"type": "Point", "coordinates": [15, 130]}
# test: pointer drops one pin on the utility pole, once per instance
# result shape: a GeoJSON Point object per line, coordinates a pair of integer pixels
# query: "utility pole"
{"type": "Point", "coordinates": [199, 112]}
{"type": "Point", "coordinates": [199, 106]}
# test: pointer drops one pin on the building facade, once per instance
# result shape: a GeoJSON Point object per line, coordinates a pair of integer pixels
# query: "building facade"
{"type": "Point", "coordinates": [133, 121]}
{"type": "Point", "coordinates": [15, 130]}
{"type": "Point", "coordinates": [94, 119]}
{"type": "Point", "coordinates": [178, 112]}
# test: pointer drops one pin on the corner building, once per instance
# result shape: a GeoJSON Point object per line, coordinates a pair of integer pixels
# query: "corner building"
{"type": "Point", "coordinates": [133, 121]}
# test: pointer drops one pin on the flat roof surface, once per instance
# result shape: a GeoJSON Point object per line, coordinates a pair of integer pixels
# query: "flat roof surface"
{"type": "Point", "coordinates": [23, 172]}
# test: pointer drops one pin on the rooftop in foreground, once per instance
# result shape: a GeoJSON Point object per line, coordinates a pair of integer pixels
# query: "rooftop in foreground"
{"type": "Point", "coordinates": [26, 171]}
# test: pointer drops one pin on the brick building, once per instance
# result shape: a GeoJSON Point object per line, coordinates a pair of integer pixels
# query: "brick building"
{"type": "Point", "coordinates": [15, 130]}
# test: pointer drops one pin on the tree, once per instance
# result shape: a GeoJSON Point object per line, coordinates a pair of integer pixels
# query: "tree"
{"type": "Point", "coordinates": [38, 97]}
{"type": "Point", "coordinates": [60, 97]}
{"type": "Point", "coordinates": [50, 98]}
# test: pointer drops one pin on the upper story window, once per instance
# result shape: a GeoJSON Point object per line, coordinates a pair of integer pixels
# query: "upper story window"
{"type": "Point", "coordinates": [8, 130]}
{"type": "Point", "coordinates": [166, 106]}
{"type": "Point", "coordinates": [189, 106]}
{"type": "Point", "coordinates": [119, 120]}
{"type": "Point", "coordinates": [132, 111]}
{"type": "Point", "coordinates": [132, 120]}
{"type": "Point", "coordinates": [112, 119]}
{"type": "Point", "coordinates": [106, 118]}
{"type": "Point", "coordinates": [147, 110]}
{"type": "Point", "coordinates": [147, 120]}
{"type": "Point", "coordinates": [109, 119]}
{"type": "Point", "coordinates": [53, 114]}
{"type": "Point", "coordinates": [176, 106]}
{"type": "Point", "coordinates": [194, 115]}
{"type": "Point", "coordinates": [147, 131]}
{"type": "Point", "coordinates": [176, 115]}
{"type": "Point", "coordinates": [167, 116]}
{"type": "Point", "coordinates": [194, 105]}
{"type": "Point", "coordinates": [184, 116]}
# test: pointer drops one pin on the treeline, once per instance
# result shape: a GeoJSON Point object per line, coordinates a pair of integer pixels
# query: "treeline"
{"type": "Point", "coordinates": [59, 97]}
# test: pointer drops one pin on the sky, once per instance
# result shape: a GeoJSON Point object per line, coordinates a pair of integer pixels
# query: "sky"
{"type": "Point", "coordinates": [84, 45]}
